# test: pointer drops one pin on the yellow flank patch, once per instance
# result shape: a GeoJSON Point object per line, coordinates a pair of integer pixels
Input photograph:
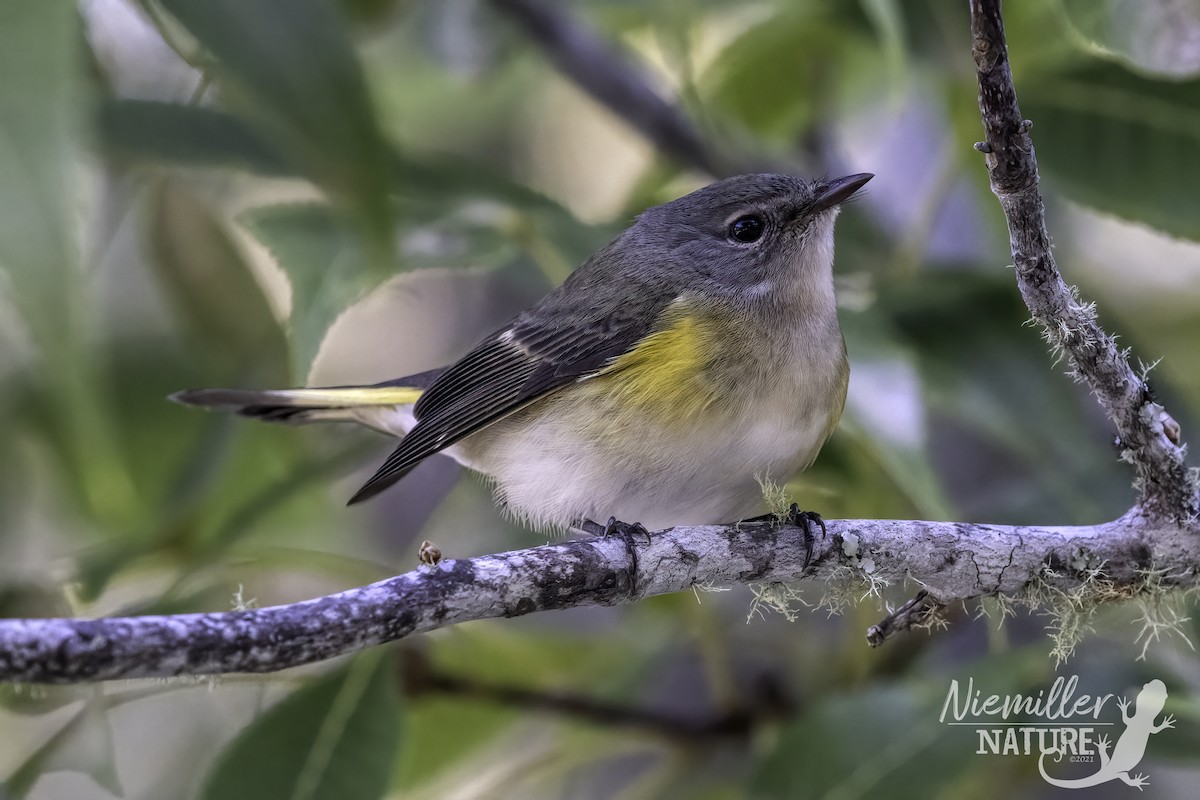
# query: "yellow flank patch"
{"type": "Point", "coordinates": [353, 396]}
{"type": "Point", "coordinates": [668, 369]}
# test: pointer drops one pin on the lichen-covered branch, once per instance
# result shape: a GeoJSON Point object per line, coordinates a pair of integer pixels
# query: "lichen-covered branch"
{"type": "Point", "coordinates": [950, 561]}
{"type": "Point", "coordinates": [913, 614]}
{"type": "Point", "coordinates": [1149, 437]}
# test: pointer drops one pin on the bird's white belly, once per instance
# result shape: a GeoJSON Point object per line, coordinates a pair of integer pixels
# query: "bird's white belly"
{"type": "Point", "coordinates": [551, 474]}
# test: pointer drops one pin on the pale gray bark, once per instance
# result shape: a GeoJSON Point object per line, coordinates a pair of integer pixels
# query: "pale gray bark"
{"type": "Point", "coordinates": [952, 561]}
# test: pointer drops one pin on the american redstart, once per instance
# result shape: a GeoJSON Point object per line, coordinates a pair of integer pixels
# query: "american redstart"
{"type": "Point", "coordinates": [695, 355]}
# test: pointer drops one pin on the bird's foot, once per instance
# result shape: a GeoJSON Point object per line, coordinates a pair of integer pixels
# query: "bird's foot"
{"type": "Point", "coordinates": [627, 533]}
{"type": "Point", "coordinates": [615, 527]}
{"type": "Point", "coordinates": [804, 520]}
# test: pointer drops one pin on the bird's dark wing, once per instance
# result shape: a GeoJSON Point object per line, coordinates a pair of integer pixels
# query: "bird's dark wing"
{"type": "Point", "coordinates": [540, 351]}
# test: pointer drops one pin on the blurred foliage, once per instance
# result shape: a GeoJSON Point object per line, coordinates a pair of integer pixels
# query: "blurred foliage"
{"type": "Point", "coordinates": [332, 740]}
{"type": "Point", "coordinates": [196, 192]}
{"type": "Point", "coordinates": [1107, 107]}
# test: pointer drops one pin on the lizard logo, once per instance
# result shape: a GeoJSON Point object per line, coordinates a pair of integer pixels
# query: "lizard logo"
{"type": "Point", "coordinates": [1130, 746]}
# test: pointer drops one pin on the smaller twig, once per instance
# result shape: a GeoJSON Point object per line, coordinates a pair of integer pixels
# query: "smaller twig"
{"type": "Point", "coordinates": [916, 612]}
{"type": "Point", "coordinates": [422, 678]}
{"type": "Point", "coordinates": [192, 56]}
{"type": "Point", "coordinates": [202, 87]}
{"type": "Point", "coordinates": [1150, 439]}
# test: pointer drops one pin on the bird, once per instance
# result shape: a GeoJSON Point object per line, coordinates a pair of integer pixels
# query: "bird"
{"type": "Point", "coordinates": [684, 363]}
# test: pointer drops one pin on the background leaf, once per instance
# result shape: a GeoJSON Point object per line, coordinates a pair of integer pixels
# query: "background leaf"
{"type": "Point", "coordinates": [295, 73]}
{"type": "Point", "coordinates": [1119, 141]}
{"type": "Point", "coordinates": [38, 125]}
{"type": "Point", "coordinates": [40, 122]}
{"type": "Point", "coordinates": [334, 739]}
{"type": "Point", "coordinates": [211, 288]}
{"type": "Point", "coordinates": [1156, 34]}
{"type": "Point", "coordinates": [83, 744]}
{"type": "Point", "coordinates": [325, 265]}
{"type": "Point", "coordinates": [190, 135]}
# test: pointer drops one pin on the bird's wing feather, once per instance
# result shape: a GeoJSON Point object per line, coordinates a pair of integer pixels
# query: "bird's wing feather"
{"type": "Point", "coordinates": [539, 353]}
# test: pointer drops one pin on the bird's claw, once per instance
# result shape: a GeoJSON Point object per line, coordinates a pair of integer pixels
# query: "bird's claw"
{"type": "Point", "coordinates": [614, 527]}
{"type": "Point", "coordinates": [805, 520]}
{"type": "Point", "coordinates": [627, 533]}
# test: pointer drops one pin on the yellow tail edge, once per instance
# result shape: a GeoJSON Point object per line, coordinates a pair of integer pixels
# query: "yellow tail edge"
{"type": "Point", "coordinates": [297, 405]}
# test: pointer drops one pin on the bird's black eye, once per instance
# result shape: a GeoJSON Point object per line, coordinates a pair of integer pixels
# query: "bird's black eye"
{"type": "Point", "coordinates": [746, 229]}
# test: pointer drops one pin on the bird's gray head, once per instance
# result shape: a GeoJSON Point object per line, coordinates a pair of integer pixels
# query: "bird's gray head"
{"type": "Point", "coordinates": [747, 235]}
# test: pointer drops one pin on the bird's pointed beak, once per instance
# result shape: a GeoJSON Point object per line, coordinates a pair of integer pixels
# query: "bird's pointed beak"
{"type": "Point", "coordinates": [834, 192]}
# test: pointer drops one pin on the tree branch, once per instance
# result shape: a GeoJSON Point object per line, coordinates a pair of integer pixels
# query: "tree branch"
{"type": "Point", "coordinates": [951, 561]}
{"type": "Point", "coordinates": [768, 702]}
{"type": "Point", "coordinates": [921, 610]}
{"type": "Point", "coordinates": [1149, 437]}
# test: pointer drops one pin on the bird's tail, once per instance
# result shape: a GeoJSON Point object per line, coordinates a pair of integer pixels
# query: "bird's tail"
{"type": "Point", "coordinates": [328, 404]}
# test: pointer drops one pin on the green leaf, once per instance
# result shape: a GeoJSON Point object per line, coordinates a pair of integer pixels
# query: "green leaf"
{"type": "Point", "coordinates": [205, 137]}
{"type": "Point", "coordinates": [1155, 34]}
{"type": "Point", "coordinates": [212, 289]}
{"type": "Point", "coordinates": [1119, 141]}
{"type": "Point", "coordinates": [334, 739]}
{"type": "Point", "coordinates": [1097, 21]}
{"type": "Point", "coordinates": [779, 76]}
{"type": "Point", "coordinates": [295, 73]}
{"type": "Point", "coordinates": [455, 178]}
{"type": "Point", "coordinates": [40, 106]}
{"type": "Point", "coordinates": [84, 744]}
{"type": "Point", "coordinates": [34, 699]}
{"type": "Point", "coordinates": [889, 728]}
{"type": "Point", "coordinates": [190, 135]}
{"type": "Point", "coordinates": [325, 264]}
{"type": "Point", "coordinates": [794, 50]}
{"type": "Point", "coordinates": [38, 129]}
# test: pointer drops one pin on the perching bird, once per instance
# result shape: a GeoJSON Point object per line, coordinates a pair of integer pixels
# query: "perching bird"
{"type": "Point", "coordinates": [686, 361]}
